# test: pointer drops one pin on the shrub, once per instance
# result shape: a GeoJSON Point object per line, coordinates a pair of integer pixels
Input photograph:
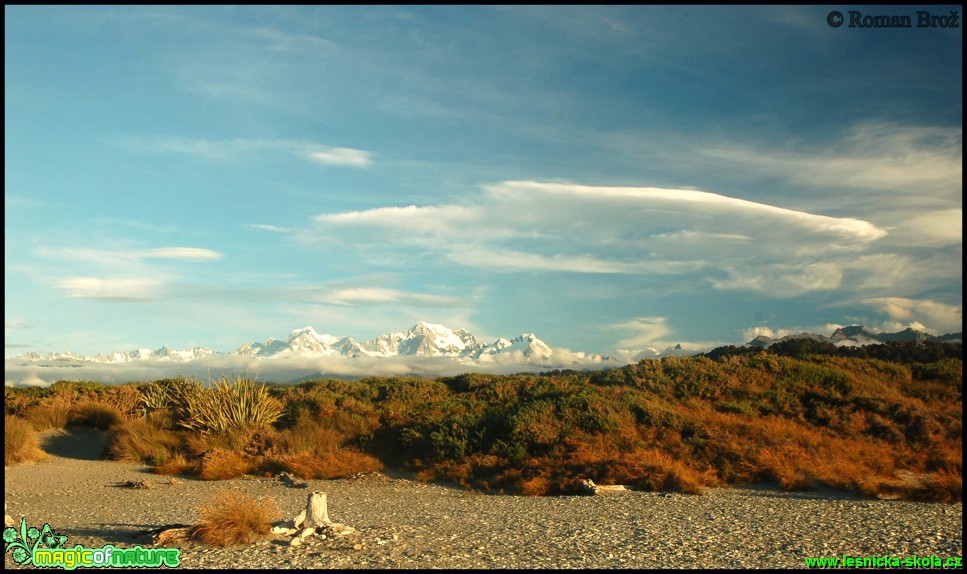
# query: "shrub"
{"type": "Point", "coordinates": [221, 464]}
{"type": "Point", "coordinates": [344, 462]}
{"type": "Point", "coordinates": [99, 415]}
{"type": "Point", "coordinates": [229, 404]}
{"type": "Point", "coordinates": [234, 518]}
{"type": "Point", "coordinates": [177, 464]}
{"type": "Point", "coordinates": [141, 441]}
{"type": "Point", "coordinates": [125, 398]}
{"type": "Point", "coordinates": [52, 416]}
{"type": "Point", "coordinates": [20, 442]}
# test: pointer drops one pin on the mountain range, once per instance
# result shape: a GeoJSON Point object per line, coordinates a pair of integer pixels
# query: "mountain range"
{"type": "Point", "coordinates": [422, 340]}
{"type": "Point", "coordinates": [433, 340]}
{"type": "Point", "coordinates": [858, 335]}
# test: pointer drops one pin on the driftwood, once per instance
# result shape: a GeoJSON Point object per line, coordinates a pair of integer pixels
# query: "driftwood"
{"type": "Point", "coordinates": [313, 520]}
{"type": "Point", "coordinates": [590, 488]}
{"type": "Point", "coordinates": [170, 535]}
{"type": "Point", "coordinates": [290, 480]}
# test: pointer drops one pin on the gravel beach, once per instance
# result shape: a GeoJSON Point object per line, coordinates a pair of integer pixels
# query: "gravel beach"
{"type": "Point", "coordinates": [401, 523]}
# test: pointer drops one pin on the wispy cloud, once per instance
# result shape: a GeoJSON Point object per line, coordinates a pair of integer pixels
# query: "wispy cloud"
{"type": "Point", "coordinates": [341, 156]}
{"type": "Point", "coordinates": [266, 227]}
{"type": "Point", "coordinates": [120, 275]}
{"type": "Point", "coordinates": [180, 253]}
{"type": "Point", "coordinates": [383, 296]}
{"type": "Point", "coordinates": [114, 289]}
{"type": "Point", "coordinates": [645, 331]}
{"type": "Point", "coordinates": [873, 156]}
{"type": "Point", "coordinates": [246, 148]}
{"type": "Point", "coordinates": [116, 257]}
{"type": "Point", "coordinates": [535, 226]}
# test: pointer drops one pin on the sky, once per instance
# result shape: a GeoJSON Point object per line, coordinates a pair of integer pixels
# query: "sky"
{"type": "Point", "coordinates": [610, 178]}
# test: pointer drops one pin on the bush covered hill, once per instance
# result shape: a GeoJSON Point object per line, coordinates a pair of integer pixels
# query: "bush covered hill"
{"type": "Point", "coordinates": [884, 420]}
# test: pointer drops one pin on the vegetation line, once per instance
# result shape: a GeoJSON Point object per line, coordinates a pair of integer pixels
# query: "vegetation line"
{"type": "Point", "coordinates": [884, 422]}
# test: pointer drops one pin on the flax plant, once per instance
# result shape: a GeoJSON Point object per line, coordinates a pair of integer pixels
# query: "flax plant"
{"type": "Point", "coordinates": [230, 404]}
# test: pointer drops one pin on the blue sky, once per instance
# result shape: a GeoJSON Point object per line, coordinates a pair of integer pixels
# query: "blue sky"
{"type": "Point", "coordinates": [609, 178]}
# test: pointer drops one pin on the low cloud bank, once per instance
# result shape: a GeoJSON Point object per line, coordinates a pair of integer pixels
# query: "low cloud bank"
{"type": "Point", "coordinates": [18, 372]}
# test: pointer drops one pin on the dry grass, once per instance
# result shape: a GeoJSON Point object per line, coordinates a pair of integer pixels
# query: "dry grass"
{"type": "Point", "coordinates": [97, 414]}
{"type": "Point", "coordinates": [234, 518]}
{"type": "Point", "coordinates": [344, 462]}
{"type": "Point", "coordinates": [177, 465]}
{"type": "Point", "coordinates": [52, 416]}
{"type": "Point", "coordinates": [20, 442]}
{"type": "Point", "coordinates": [221, 464]}
{"type": "Point", "coordinates": [141, 441]}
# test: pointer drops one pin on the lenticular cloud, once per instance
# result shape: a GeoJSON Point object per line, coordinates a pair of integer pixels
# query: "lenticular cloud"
{"type": "Point", "coordinates": [527, 225]}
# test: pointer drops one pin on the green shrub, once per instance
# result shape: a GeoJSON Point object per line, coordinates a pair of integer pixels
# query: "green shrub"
{"type": "Point", "coordinates": [228, 405]}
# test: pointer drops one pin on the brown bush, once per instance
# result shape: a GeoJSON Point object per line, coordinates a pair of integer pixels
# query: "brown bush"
{"type": "Point", "coordinates": [125, 398]}
{"type": "Point", "coordinates": [141, 441]}
{"type": "Point", "coordinates": [234, 518]}
{"type": "Point", "coordinates": [20, 442]}
{"type": "Point", "coordinates": [51, 416]}
{"type": "Point", "coordinates": [221, 464]}
{"type": "Point", "coordinates": [97, 414]}
{"type": "Point", "coordinates": [344, 462]}
{"type": "Point", "coordinates": [177, 465]}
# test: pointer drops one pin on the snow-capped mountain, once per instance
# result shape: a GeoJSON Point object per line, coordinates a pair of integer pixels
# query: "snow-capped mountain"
{"type": "Point", "coordinates": [162, 354]}
{"type": "Point", "coordinates": [422, 340]}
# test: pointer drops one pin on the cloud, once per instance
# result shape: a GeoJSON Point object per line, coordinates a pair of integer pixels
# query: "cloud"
{"type": "Point", "coordinates": [182, 253]}
{"type": "Point", "coordinates": [780, 332]}
{"type": "Point", "coordinates": [383, 296]}
{"type": "Point", "coordinates": [873, 156]}
{"type": "Point", "coordinates": [341, 156]}
{"type": "Point", "coordinates": [932, 316]}
{"type": "Point", "coordinates": [115, 289]}
{"type": "Point", "coordinates": [266, 227]}
{"type": "Point", "coordinates": [112, 258]}
{"type": "Point", "coordinates": [646, 331]}
{"type": "Point", "coordinates": [783, 280]}
{"type": "Point", "coordinates": [245, 148]}
{"type": "Point", "coordinates": [939, 228]}
{"type": "Point", "coordinates": [285, 369]}
{"type": "Point", "coordinates": [562, 227]}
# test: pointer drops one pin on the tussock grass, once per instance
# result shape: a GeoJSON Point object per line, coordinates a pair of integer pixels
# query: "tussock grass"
{"type": "Point", "coordinates": [20, 441]}
{"type": "Point", "coordinates": [96, 414]}
{"type": "Point", "coordinates": [233, 518]}
{"type": "Point", "coordinates": [51, 416]}
{"type": "Point", "coordinates": [342, 463]}
{"type": "Point", "coordinates": [142, 441]}
{"type": "Point", "coordinates": [221, 464]}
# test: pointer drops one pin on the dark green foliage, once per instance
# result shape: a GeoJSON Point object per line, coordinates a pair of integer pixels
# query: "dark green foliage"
{"type": "Point", "coordinates": [805, 416]}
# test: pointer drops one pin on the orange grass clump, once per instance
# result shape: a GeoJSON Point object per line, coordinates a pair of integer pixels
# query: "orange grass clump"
{"type": "Point", "coordinates": [233, 518]}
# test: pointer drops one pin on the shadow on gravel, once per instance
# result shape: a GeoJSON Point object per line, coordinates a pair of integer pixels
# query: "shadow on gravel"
{"type": "Point", "coordinates": [774, 490]}
{"type": "Point", "coordinates": [80, 443]}
{"type": "Point", "coordinates": [119, 534]}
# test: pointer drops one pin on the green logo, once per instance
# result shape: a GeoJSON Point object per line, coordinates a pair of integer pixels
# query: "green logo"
{"type": "Point", "coordinates": [28, 540]}
{"type": "Point", "coordinates": [44, 548]}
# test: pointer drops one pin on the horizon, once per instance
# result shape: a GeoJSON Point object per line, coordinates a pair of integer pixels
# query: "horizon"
{"type": "Point", "coordinates": [609, 178]}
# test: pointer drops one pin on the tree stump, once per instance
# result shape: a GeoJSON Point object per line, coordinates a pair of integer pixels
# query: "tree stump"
{"type": "Point", "coordinates": [317, 512]}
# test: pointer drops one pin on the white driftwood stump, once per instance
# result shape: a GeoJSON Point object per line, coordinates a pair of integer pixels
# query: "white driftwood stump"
{"type": "Point", "coordinates": [313, 520]}
{"type": "Point", "coordinates": [317, 511]}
